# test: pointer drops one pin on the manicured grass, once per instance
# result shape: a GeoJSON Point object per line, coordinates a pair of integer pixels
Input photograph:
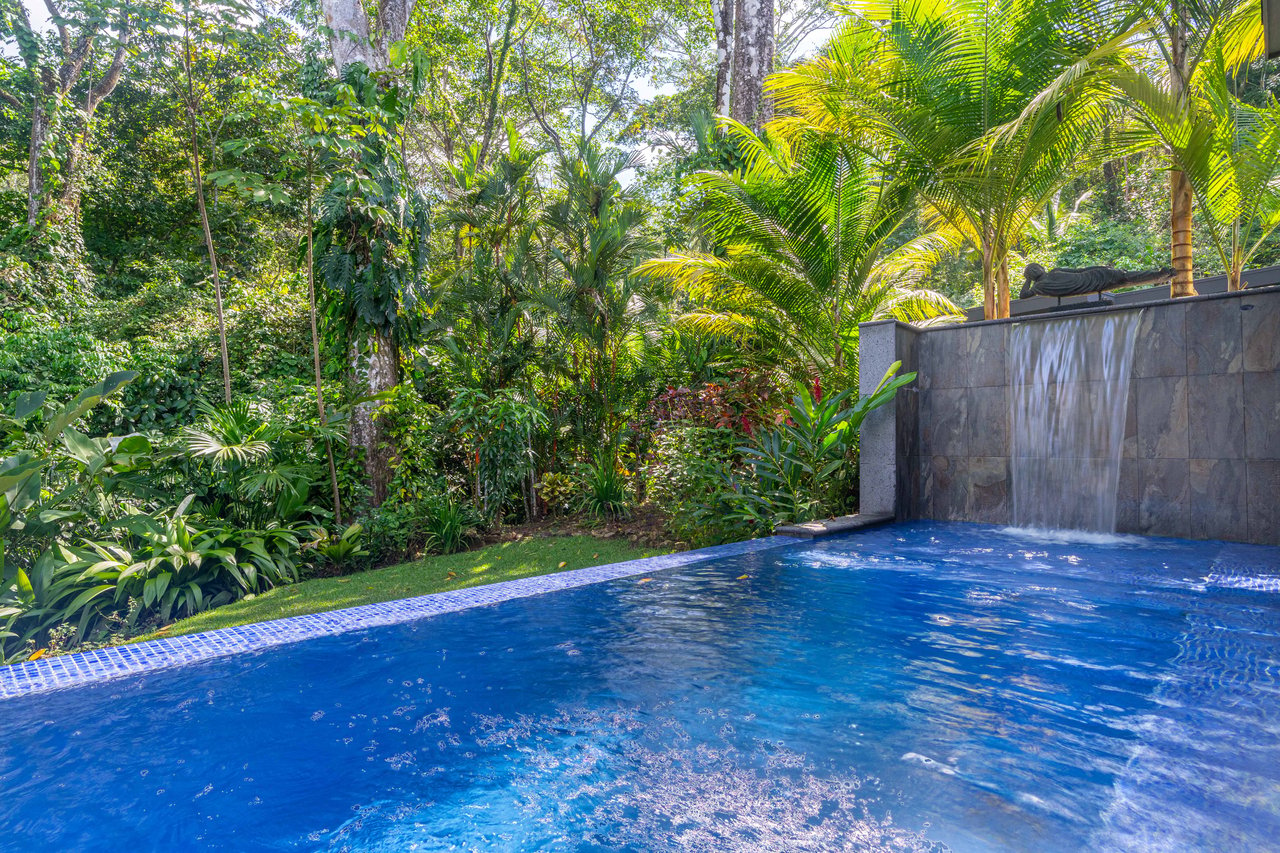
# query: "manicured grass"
{"type": "Point", "coordinates": [500, 562]}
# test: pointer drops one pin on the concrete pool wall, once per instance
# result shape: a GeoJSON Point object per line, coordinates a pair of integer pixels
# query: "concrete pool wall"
{"type": "Point", "coordinates": [1201, 456]}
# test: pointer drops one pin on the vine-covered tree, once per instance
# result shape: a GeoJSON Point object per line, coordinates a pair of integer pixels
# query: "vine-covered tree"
{"type": "Point", "coordinates": [61, 90]}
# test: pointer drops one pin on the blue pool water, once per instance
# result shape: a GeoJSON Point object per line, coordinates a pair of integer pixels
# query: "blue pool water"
{"type": "Point", "coordinates": [923, 686]}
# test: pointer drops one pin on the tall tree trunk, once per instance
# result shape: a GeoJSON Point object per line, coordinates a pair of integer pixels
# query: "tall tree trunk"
{"type": "Point", "coordinates": [722, 14]}
{"type": "Point", "coordinates": [40, 131]}
{"type": "Point", "coordinates": [1002, 287]}
{"type": "Point", "coordinates": [51, 86]}
{"type": "Point", "coordinates": [1180, 199]}
{"type": "Point", "coordinates": [496, 88]}
{"type": "Point", "coordinates": [315, 344]}
{"type": "Point", "coordinates": [378, 369]}
{"type": "Point", "coordinates": [198, 179]}
{"type": "Point", "coordinates": [1180, 221]}
{"type": "Point", "coordinates": [752, 62]}
{"type": "Point", "coordinates": [988, 280]}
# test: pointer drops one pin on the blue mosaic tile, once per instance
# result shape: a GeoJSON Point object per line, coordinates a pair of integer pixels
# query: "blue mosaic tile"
{"type": "Point", "coordinates": [116, 661]}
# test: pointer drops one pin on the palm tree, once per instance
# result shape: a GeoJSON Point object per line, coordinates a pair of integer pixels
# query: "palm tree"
{"type": "Point", "coordinates": [483, 322]}
{"type": "Point", "coordinates": [1228, 151]}
{"type": "Point", "coordinates": [942, 86]}
{"type": "Point", "coordinates": [604, 314]}
{"type": "Point", "coordinates": [1184, 31]}
{"type": "Point", "coordinates": [801, 232]}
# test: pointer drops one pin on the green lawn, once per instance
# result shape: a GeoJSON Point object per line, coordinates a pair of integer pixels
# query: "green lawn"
{"type": "Point", "coordinates": [501, 562]}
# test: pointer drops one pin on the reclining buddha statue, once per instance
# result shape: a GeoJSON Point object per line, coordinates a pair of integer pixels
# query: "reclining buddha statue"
{"type": "Point", "coordinates": [1068, 281]}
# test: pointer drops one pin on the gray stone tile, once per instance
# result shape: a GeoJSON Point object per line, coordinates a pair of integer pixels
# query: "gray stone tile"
{"type": "Point", "coordinates": [1128, 497]}
{"type": "Point", "coordinates": [1218, 505]}
{"type": "Point", "coordinates": [1264, 501]}
{"type": "Point", "coordinates": [988, 416]}
{"type": "Point", "coordinates": [946, 487]}
{"type": "Point", "coordinates": [921, 507]}
{"type": "Point", "coordinates": [1162, 417]}
{"type": "Point", "coordinates": [1262, 415]}
{"type": "Point", "coordinates": [1260, 330]}
{"type": "Point", "coordinates": [908, 349]}
{"type": "Point", "coordinates": [908, 495]}
{"type": "Point", "coordinates": [1166, 488]}
{"type": "Point", "coordinates": [1161, 348]}
{"type": "Point", "coordinates": [1131, 422]}
{"type": "Point", "coordinates": [989, 490]}
{"type": "Point", "coordinates": [988, 356]}
{"type": "Point", "coordinates": [1214, 344]}
{"type": "Point", "coordinates": [1215, 415]}
{"type": "Point", "coordinates": [943, 358]}
{"type": "Point", "coordinates": [908, 422]}
{"type": "Point", "coordinates": [943, 422]}
{"type": "Point", "coordinates": [926, 376]}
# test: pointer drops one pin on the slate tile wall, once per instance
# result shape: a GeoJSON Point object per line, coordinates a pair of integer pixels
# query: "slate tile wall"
{"type": "Point", "coordinates": [1201, 454]}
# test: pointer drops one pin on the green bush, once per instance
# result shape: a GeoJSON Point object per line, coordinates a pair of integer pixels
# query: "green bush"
{"type": "Point", "coordinates": [605, 487]}
{"type": "Point", "coordinates": [689, 476]}
{"type": "Point", "coordinates": [432, 519]}
{"type": "Point", "coordinates": [559, 491]}
{"type": "Point", "coordinates": [447, 524]}
{"type": "Point", "coordinates": [89, 540]}
{"type": "Point", "coordinates": [806, 468]}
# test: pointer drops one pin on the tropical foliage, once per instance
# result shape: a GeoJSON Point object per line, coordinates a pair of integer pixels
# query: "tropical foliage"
{"type": "Point", "coordinates": [800, 234]}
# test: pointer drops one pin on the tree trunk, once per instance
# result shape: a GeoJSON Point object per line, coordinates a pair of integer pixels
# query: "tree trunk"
{"type": "Point", "coordinates": [1180, 200]}
{"type": "Point", "coordinates": [752, 62]}
{"type": "Point", "coordinates": [722, 14]}
{"type": "Point", "coordinates": [1180, 230]}
{"type": "Point", "coordinates": [198, 179]}
{"type": "Point", "coordinates": [315, 346]}
{"type": "Point", "coordinates": [1002, 287]}
{"type": "Point", "coordinates": [349, 35]}
{"type": "Point", "coordinates": [378, 369]}
{"type": "Point", "coordinates": [353, 39]}
{"type": "Point", "coordinates": [40, 130]}
{"type": "Point", "coordinates": [988, 280]}
{"type": "Point", "coordinates": [496, 90]}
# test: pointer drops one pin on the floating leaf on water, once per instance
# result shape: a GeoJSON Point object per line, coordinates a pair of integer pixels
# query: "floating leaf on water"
{"type": "Point", "coordinates": [742, 577]}
{"type": "Point", "coordinates": [644, 580]}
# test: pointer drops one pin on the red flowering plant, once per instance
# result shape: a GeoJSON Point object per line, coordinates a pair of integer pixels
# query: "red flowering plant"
{"type": "Point", "coordinates": [697, 434]}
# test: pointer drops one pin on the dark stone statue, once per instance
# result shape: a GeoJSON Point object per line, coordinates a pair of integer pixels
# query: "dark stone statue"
{"type": "Point", "coordinates": [1066, 281]}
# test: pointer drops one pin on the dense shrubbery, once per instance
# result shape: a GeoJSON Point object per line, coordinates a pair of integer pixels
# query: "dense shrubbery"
{"type": "Point", "coordinates": [90, 534]}
{"type": "Point", "coordinates": [720, 485]}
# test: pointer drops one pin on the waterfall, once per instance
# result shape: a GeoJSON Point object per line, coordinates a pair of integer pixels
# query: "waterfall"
{"type": "Point", "coordinates": [1069, 395]}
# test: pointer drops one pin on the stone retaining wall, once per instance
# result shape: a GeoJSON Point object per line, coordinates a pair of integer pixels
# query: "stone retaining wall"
{"type": "Point", "coordinates": [1202, 440]}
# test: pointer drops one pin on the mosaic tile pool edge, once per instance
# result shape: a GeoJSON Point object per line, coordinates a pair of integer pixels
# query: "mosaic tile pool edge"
{"type": "Point", "coordinates": [56, 673]}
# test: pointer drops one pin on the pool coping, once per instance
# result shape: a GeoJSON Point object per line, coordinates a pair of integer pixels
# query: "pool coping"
{"type": "Point", "coordinates": [80, 668]}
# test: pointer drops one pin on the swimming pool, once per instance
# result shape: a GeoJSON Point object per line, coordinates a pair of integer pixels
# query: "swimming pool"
{"type": "Point", "coordinates": [920, 686]}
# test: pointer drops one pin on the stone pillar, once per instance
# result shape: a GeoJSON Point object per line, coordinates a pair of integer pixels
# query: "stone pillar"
{"type": "Point", "coordinates": [880, 344]}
